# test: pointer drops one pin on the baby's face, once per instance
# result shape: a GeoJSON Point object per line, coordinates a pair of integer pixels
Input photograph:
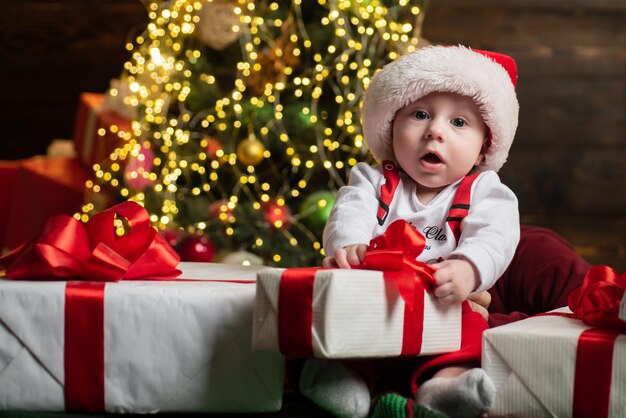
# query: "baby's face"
{"type": "Point", "coordinates": [439, 138]}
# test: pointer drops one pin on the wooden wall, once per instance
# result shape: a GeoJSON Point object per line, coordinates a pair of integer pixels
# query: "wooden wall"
{"type": "Point", "coordinates": [567, 162]}
{"type": "Point", "coordinates": [50, 52]}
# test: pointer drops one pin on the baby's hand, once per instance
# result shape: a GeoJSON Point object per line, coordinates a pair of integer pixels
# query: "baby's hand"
{"type": "Point", "coordinates": [456, 279]}
{"type": "Point", "coordinates": [350, 255]}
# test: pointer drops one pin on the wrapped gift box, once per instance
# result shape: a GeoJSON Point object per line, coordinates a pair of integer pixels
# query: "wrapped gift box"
{"type": "Point", "coordinates": [353, 313]}
{"type": "Point", "coordinates": [542, 369]}
{"type": "Point", "coordinates": [98, 131]}
{"type": "Point", "coordinates": [34, 189]}
{"type": "Point", "coordinates": [178, 345]}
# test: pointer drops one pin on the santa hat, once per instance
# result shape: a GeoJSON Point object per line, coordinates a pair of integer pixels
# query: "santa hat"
{"type": "Point", "coordinates": [487, 77]}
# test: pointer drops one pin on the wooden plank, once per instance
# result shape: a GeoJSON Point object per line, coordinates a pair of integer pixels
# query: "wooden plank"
{"type": "Point", "coordinates": [572, 112]}
{"type": "Point", "coordinates": [541, 61]}
{"type": "Point", "coordinates": [555, 180]}
{"type": "Point", "coordinates": [563, 44]}
{"type": "Point", "coordinates": [611, 5]}
{"type": "Point", "coordinates": [600, 240]}
{"type": "Point", "coordinates": [55, 51]}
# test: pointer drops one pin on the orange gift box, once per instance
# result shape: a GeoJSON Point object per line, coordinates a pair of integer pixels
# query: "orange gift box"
{"type": "Point", "coordinates": [98, 131]}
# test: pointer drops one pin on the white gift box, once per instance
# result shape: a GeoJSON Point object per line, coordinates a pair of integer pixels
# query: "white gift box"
{"type": "Point", "coordinates": [355, 315]}
{"type": "Point", "coordinates": [169, 346]}
{"type": "Point", "coordinates": [533, 365]}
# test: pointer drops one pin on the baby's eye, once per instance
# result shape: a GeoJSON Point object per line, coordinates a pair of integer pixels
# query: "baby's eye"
{"type": "Point", "coordinates": [421, 115]}
{"type": "Point", "coordinates": [458, 122]}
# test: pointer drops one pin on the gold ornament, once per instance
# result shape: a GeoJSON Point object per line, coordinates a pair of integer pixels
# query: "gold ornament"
{"type": "Point", "coordinates": [250, 151]}
{"type": "Point", "coordinates": [217, 20]}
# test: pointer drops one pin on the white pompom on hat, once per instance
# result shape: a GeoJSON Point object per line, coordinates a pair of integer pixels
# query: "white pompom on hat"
{"type": "Point", "coordinates": [489, 78]}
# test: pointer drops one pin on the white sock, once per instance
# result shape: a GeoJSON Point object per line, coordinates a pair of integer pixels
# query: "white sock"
{"type": "Point", "coordinates": [334, 387]}
{"type": "Point", "coordinates": [469, 395]}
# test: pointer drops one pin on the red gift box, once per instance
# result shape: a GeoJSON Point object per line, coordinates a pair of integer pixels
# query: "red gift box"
{"type": "Point", "coordinates": [35, 189]}
{"type": "Point", "coordinates": [98, 131]}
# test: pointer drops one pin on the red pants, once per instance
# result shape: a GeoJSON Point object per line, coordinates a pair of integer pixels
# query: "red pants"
{"type": "Point", "coordinates": [544, 270]}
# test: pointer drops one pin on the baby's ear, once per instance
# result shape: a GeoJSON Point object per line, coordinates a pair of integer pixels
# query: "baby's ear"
{"type": "Point", "coordinates": [479, 159]}
{"type": "Point", "coordinates": [483, 150]}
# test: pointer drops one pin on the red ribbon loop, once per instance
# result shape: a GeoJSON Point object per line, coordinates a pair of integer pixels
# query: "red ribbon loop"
{"type": "Point", "coordinates": [396, 250]}
{"type": "Point", "coordinates": [68, 249]}
{"type": "Point", "coordinates": [597, 301]}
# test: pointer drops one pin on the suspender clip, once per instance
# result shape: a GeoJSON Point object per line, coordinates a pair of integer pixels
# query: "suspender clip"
{"type": "Point", "coordinates": [383, 212]}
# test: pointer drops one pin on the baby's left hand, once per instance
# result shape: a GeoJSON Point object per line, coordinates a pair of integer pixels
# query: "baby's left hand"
{"type": "Point", "coordinates": [456, 279]}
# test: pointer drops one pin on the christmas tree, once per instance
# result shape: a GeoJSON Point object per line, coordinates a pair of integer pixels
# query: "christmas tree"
{"type": "Point", "coordinates": [246, 119]}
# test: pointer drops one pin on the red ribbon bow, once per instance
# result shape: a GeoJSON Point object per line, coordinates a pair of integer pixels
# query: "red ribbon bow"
{"type": "Point", "coordinates": [395, 251]}
{"type": "Point", "coordinates": [597, 301]}
{"type": "Point", "coordinates": [69, 249]}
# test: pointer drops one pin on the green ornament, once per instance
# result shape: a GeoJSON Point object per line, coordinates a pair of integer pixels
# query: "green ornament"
{"type": "Point", "coordinates": [297, 118]}
{"type": "Point", "coordinates": [315, 209]}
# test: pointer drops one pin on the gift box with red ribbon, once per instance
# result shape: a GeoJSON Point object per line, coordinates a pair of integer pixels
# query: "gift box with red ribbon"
{"type": "Point", "coordinates": [381, 308]}
{"type": "Point", "coordinates": [566, 363]}
{"type": "Point", "coordinates": [98, 317]}
{"type": "Point", "coordinates": [98, 131]}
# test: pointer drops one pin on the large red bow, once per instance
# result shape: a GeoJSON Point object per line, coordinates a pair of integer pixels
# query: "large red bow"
{"type": "Point", "coordinates": [69, 249]}
{"type": "Point", "coordinates": [597, 301]}
{"type": "Point", "coordinates": [395, 251]}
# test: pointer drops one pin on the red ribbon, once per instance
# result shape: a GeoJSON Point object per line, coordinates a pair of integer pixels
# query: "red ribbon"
{"type": "Point", "coordinates": [592, 379]}
{"type": "Point", "coordinates": [93, 254]}
{"type": "Point", "coordinates": [596, 302]}
{"type": "Point", "coordinates": [69, 249]}
{"type": "Point", "coordinates": [295, 312]}
{"type": "Point", "coordinates": [84, 347]}
{"type": "Point", "coordinates": [392, 253]}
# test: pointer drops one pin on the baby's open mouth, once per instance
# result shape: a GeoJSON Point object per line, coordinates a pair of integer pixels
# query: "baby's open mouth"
{"type": "Point", "coordinates": [431, 158]}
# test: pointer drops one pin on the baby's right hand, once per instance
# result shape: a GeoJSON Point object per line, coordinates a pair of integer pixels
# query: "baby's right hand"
{"type": "Point", "coordinates": [350, 255]}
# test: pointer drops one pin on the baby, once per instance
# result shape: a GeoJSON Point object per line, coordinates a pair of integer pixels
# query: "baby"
{"type": "Point", "coordinates": [440, 122]}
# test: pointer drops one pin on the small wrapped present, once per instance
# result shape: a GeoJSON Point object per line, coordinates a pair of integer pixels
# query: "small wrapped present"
{"type": "Point", "coordinates": [156, 343]}
{"type": "Point", "coordinates": [98, 130]}
{"type": "Point", "coordinates": [381, 309]}
{"type": "Point", "coordinates": [349, 314]}
{"type": "Point", "coordinates": [35, 189]}
{"type": "Point", "coordinates": [563, 364]}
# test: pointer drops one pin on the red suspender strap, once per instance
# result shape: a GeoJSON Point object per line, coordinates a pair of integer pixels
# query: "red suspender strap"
{"type": "Point", "coordinates": [387, 190]}
{"type": "Point", "coordinates": [460, 205]}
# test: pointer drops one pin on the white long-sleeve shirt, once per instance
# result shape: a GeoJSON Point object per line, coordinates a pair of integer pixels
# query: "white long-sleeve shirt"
{"type": "Point", "coordinates": [490, 231]}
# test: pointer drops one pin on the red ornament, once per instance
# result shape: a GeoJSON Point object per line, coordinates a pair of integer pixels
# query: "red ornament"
{"type": "Point", "coordinates": [220, 210]}
{"type": "Point", "coordinates": [213, 146]}
{"type": "Point", "coordinates": [137, 170]}
{"type": "Point", "coordinates": [196, 248]}
{"type": "Point", "coordinates": [172, 236]}
{"type": "Point", "coordinates": [277, 215]}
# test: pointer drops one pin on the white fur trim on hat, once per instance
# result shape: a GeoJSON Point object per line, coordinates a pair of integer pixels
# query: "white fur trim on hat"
{"type": "Point", "coordinates": [453, 69]}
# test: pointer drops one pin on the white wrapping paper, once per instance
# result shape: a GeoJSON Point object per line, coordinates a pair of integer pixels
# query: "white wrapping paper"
{"type": "Point", "coordinates": [532, 363]}
{"type": "Point", "coordinates": [355, 315]}
{"type": "Point", "coordinates": [168, 346]}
